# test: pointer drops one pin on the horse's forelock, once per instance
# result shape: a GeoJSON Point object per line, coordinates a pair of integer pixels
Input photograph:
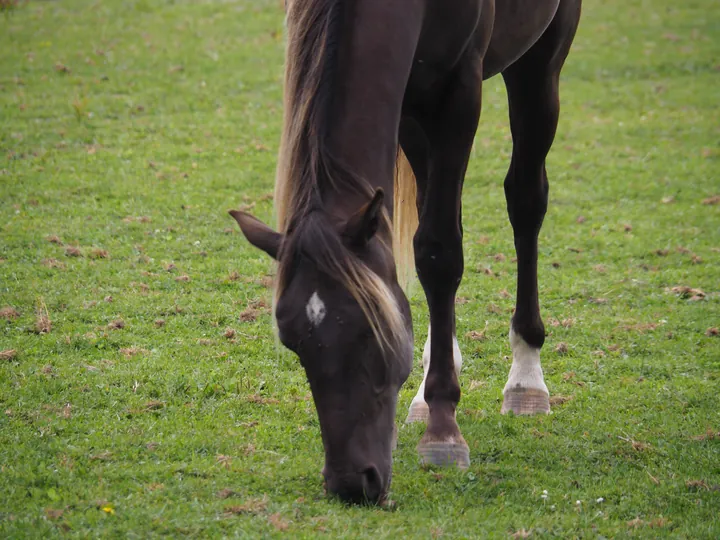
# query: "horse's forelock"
{"type": "Point", "coordinates": [314, 238]}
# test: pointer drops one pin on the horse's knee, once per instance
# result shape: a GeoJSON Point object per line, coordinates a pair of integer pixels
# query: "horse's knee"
{"type": "Point", "coordinates": [439, 260]}
{"type": "Point", "coordinates": [527, 201]}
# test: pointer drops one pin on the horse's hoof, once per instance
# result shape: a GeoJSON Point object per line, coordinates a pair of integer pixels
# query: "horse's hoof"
{"type": "Point", "coordinates": [419, 412]}
{"type": "Point", "coordinates": [443, 454]}
{"type": "Point", "coordinates": [526, 401]}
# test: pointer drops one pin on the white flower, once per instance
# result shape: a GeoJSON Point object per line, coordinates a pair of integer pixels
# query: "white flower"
{"type": "Point", "coordinates": [578, 503]}
{"type": "Point", "coordinates": [599, 500]}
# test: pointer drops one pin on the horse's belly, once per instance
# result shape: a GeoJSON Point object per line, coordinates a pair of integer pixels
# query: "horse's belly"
{"type": "Point", "coordinates": [518, 25]}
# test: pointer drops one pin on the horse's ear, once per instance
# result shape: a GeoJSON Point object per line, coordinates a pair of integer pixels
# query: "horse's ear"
{"type": "Point", "coordinates": [258, 234]}
{"type": "Point", "coordinates": [363, 224]}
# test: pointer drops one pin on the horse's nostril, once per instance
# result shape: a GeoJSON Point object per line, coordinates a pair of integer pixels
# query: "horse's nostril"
{"type": "Point", "coordinates": [372, 484]}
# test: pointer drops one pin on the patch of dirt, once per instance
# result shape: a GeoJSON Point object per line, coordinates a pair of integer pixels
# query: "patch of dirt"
{"type": "Point", "coordinates": [709, 435]}
{"type": "Point", "coordinates": [561, 348]}
{"type": "Point", "coordinates": [117, 324]}
{"type": "Point", "coordinates": [253, 310]}
{"type": "Point", "coordinates": [640, 328]}
{"type": "Point", "coordinates": [715, 199]}
{"type": "Point", "coordinates": [132, 351]}
{"type": "Point", "coordinates": [53, 263]}
{"type": "Point", "coordinates": [8, 354]}
{"type": "Point", "coordinates": [159, 323]}
{"type": "Point", "coordinates": [229, 333]}
{"type": "Point", "coordinates": [97, 253]}
{"type": "Point", "coordinates": [184, 278]}
{"type": "Point", "coordinates": [560, 400]}
{"type": "Point", "coordinates": [225, 461]}
{"type": "Point", "coordinates": [493, 308]}
{"type": "Point", "coordinates": [9, 313]}
{"type": "Point", "coordinates": [73, 251]}
{"type": "Point", "coordinates": [685, 292]}
{"type": "Point", "coordinates": [260, 400]}
{"type": "Point", "coordinates": [277, 521]}
{"type": "Point", "coordinates": [251, 506]}
{"type": "Point", "coordinates": [54, 239]}
{"type": "Point", "coordinates": [565, 323]}
{"type": "Point", "coordinates": [54, 513]}
{"type": "Point", "coordinates": [476, 336]}
{"type": "Point", "coordinates": [697, 485]}
{"type": "Point", "coordinates": [486, 270]}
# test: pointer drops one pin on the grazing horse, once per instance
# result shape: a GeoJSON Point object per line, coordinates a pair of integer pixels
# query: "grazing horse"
{"type": "Point", "coordinates": [382, 102]}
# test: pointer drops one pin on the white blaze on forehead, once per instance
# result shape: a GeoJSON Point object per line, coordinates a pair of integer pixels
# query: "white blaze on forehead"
{"type": "Point", "coordinates": [315, 310]}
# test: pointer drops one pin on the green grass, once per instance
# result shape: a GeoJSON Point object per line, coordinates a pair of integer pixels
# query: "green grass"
{"type": "Point", "coordinates": [170, 111]}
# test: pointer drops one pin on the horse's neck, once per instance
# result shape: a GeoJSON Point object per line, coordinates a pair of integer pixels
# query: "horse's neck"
{"type": "Point", "coordinates": [372, 65]}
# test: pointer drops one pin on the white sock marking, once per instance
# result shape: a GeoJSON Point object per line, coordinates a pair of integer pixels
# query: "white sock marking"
{"type": "Point", "coordinates": [525, 371]}
{"type": "Point", "coordinates": [457, 357]}
{"type": "Point", "coordinates": [315, 310]}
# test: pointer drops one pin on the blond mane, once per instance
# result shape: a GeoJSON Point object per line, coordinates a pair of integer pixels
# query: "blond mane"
{"type": "Point", "coordinates": [306, 169]}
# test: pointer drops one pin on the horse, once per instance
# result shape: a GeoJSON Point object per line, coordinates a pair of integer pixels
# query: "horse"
{"type": "Point", "coordinates": [381, 105]}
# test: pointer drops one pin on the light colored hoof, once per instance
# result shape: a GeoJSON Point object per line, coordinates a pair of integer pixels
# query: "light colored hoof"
{"type": "Point", "coordinates": [419, 412]}
{"type": "Point", "coordinates": [443, 454]}
{"type": "Point", "coordinates": [525, 401]}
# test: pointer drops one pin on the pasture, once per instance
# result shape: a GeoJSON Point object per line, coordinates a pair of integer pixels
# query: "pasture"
{"type": "Point", "coordinates": [142, 393]}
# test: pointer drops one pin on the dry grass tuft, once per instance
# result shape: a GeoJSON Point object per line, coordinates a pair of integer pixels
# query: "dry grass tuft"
{"type": "Point", "coordinates": [43, 324]}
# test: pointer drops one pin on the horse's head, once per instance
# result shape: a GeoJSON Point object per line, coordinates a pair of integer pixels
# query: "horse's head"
{"type": "Point", "coordinates": [340, 309]}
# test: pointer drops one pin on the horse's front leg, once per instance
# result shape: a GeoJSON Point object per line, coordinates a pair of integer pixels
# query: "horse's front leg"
{"type": "Point", "coordinates": [439, 256]}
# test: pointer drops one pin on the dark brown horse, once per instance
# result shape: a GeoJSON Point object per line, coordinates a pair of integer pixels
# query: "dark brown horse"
{"type": "Point", "coordinates": [367, 83]}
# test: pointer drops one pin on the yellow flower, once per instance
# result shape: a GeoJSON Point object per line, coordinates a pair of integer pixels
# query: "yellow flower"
{"type": "Point", "coordinates": [108, 509]}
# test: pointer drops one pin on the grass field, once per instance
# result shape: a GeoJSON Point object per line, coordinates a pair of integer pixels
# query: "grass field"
{"type": "Point", "coordinates": [141, 391]}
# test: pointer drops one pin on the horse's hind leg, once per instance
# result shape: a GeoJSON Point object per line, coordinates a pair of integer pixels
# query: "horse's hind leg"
{"type": "Point", "coordinates": [532, 86]}
{"type": "Point", "coordinates": [450, 129]}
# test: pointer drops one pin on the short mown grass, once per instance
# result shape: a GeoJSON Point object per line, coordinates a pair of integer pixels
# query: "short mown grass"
{"type": "Point", "coordinates": [141, 390]}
